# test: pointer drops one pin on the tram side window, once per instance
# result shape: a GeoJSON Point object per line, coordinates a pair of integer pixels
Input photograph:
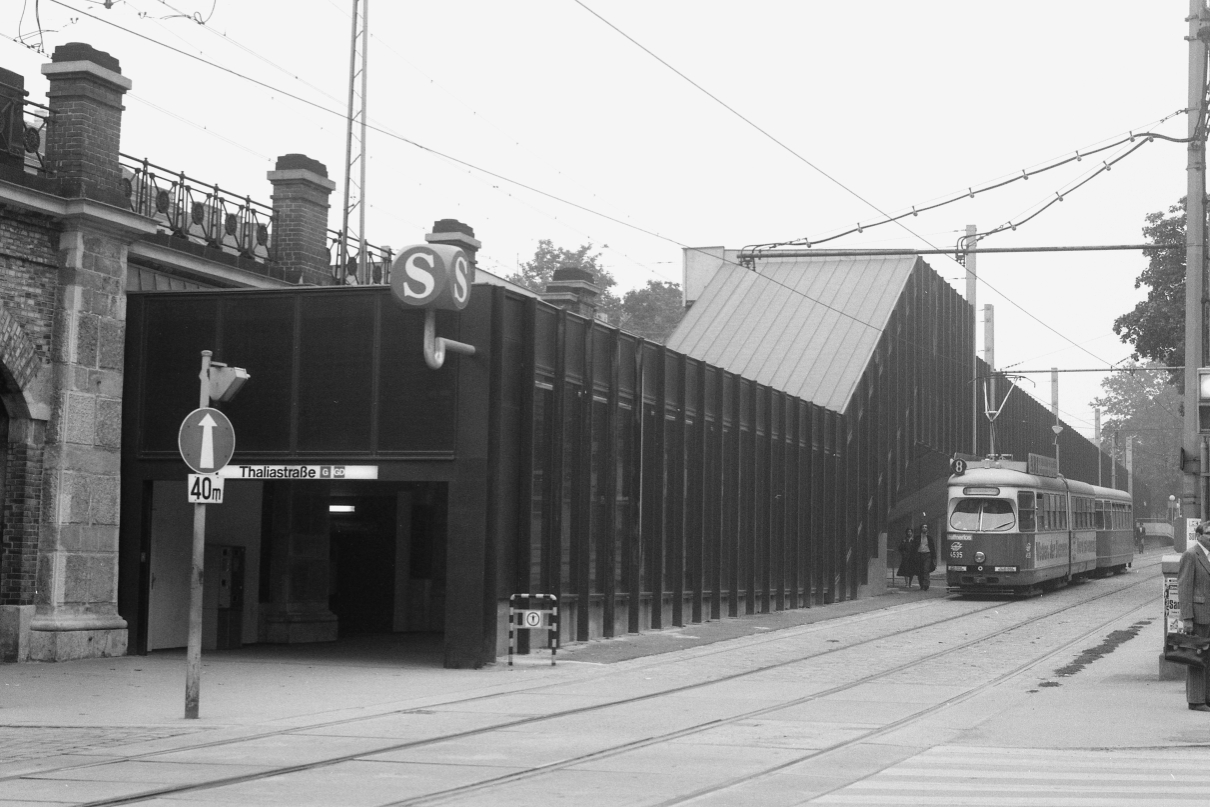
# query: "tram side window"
{"type": "Point", "coordinates": [1083, 513]}
{"type": "Point", "coordinates": [1025, 511]}
{"type": "Point", "coordinates": [1099, 515]}
{"type": "Point", "coordinates": [1043, 512]}
{"type": "Point", "coordinates": [1062, 502]}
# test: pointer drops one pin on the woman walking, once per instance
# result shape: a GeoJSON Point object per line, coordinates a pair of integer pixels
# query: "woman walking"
{"type": "Point", "coordinates": [906, 548]}
{"type": "Point", "coordinates": [924, 557]}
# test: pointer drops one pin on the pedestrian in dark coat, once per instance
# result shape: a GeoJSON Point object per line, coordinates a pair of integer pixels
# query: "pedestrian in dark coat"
{"type": "Point", "coordinates": [1193, 591]}
{"type": "Point", "coordinates": [923, 557]}
{"type": "Point", "coordinates": [906, 546]}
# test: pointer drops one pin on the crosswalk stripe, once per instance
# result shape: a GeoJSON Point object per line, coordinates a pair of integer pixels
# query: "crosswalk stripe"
{"type": "Point", "coordinates": [1014, 777]}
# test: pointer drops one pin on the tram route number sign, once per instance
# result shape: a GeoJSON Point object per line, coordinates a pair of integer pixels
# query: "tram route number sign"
{"type": "Point", "coordinates": [205, 489]}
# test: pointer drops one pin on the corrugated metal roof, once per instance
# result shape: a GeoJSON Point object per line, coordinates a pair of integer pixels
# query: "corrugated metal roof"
{"type": "Point", "coordinates": [807, 326]}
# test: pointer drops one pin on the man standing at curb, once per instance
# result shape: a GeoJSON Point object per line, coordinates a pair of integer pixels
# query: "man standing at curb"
{"type": "Point", "coordinates": [1193, 591]}
{"type": "Point", "coordinates": [926, 557]}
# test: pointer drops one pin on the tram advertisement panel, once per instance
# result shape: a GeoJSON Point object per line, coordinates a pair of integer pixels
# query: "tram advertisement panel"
{"type": "Point", "coordinates": [1050, 549]}
{"type": "Point", "coordinates": [1084, 554]}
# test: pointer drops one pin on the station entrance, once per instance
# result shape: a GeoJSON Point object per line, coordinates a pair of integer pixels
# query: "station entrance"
{"type": "Point", "coordinates": [298, 562]}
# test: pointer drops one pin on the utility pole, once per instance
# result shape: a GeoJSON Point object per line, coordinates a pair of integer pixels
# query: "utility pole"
{"type": "Point", "coordinates": [1054, 408]}
{"type": "Point", "coordinates": [1130, 465]}
{"type": "Point", "coordinates": [969, 241]}
{"type": "Point", "coordinates": [1192, 498]}
{"type": "Point", "coordinates": [989, 355]}
{"type": "Point", "coordinates": [1097, 440]}
{"type": "Point", "coordinates": [989, 336]}
{"type": "Point", "coordinates": [1113, 455]}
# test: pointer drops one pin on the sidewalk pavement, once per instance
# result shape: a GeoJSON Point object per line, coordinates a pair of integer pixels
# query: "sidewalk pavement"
{"type": "Point", "coordinates": [117, 698]}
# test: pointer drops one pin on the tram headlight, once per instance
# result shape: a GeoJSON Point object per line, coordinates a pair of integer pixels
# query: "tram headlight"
{"type": "Point", "coordinates": [980, 557]}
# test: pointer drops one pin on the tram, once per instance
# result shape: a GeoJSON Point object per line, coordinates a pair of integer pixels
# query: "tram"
{"type": "Point", "coordinates": [1021, 528]}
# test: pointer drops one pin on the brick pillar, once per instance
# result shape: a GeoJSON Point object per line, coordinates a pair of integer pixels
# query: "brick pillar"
{"type": "Point", "coordinates": [85, 99]}
{"type": "Point", "coordinates": [456, 234]}
{"type": "Point", "coordinates": [573, 288]}
{"type": "Point", "coordinates": [300, 219]}
{"type": "Point", "coordinates": [299, 565]}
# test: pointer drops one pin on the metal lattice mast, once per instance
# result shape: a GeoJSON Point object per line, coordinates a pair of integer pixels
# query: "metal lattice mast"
{"type": "Point", "coordinates": [355, 150]}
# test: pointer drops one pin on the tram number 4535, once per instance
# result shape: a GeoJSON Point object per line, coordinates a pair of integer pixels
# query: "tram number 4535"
{"type": "Point", "coordinates": [205, 489]}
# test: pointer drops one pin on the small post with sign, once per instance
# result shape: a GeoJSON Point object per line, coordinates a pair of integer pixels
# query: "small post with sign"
{"type": "Point", "coordinates": [533, 618]}
{"type": "Point", "coordinates": [207, 442]}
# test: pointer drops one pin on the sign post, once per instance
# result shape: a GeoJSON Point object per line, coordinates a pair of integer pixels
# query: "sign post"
{"type": "Point", "coordinates": [206, 441]}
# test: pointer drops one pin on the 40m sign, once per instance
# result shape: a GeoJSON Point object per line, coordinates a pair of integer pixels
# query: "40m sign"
{"type": "Point", "coordinates": [205, 489]}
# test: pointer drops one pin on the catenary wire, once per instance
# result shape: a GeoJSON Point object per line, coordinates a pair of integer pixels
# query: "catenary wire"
{"type": "Point", "coordinates": [517, 183]}
{"type": "Point", "coordinates": [388, 46]}
{"type": "Point", "coordinates": [764, 132]}
{"type": "Point", "coordinates": [390, 134]}
{"type": "Point", "coordinates": [748, 121]}
{"type": "Point", "coordinates": [973, 191]}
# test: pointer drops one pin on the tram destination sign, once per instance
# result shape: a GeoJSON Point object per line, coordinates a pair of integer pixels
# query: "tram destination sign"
{"type": "Point", "coordinates": [299, 472]}
{"type": "Point", "coordinates": [1042, 465]}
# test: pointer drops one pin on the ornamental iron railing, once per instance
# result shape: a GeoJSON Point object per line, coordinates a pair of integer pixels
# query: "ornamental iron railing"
{"type": "Point", "coordinates": [377, 269]}
{"type": "Point", "coordinates": [197, 212]}
{"type": "Point", "coordinates": [35, 124]}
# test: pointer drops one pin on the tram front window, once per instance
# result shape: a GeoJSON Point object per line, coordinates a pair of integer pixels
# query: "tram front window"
{"type": "Point", "coordinates": [983, 515]}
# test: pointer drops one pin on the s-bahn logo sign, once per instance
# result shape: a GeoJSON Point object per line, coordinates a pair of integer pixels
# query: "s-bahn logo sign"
{"type": "Point", "coordinates": [432, 276]}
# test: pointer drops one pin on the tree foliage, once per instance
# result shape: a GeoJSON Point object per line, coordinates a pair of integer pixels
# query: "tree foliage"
{"type": "Point", "coordinates": [1155, 328]}
{"type": "Point", "coordinates": [650, 312]}
{"type": "Point", "coordinates": [1145, 407]}
{"type": "Point", "coordinates": [537, 271]}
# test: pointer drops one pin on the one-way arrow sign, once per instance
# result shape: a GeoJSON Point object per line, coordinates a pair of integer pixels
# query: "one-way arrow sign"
{"type": "Point", "coordinates": [206, 440]}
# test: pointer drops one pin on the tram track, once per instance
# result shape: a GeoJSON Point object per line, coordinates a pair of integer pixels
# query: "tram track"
{"type": "Point", "coordinates": [897, 632]}
{"type": "Point", "coordinates": [454, 793]}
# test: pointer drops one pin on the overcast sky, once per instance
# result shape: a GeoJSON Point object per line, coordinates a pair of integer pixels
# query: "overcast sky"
{"type": "Point", "coordinates": [877, 106]}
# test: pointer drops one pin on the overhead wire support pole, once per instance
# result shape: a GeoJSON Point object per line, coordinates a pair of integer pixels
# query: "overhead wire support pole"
{"type": "Point", "coordinates": [1193, 504]}
{"type": "Point", "coordinates": [968, 241]}
{"type": "Point", "coordinates": [363, 258]}
{"type": "Point", "coordinates": [359, 34]}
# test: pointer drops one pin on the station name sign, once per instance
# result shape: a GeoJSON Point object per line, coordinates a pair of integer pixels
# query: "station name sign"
{"type": "Point", "coordinates": [299, 472]}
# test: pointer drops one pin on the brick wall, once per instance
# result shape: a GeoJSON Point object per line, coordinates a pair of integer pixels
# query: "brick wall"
{"type": "Point", "coordinates": [22, 513]}
{"type": "Point", "coordinates": [28, 286]}
{"type": "Point", "coordinates": [29, 273]}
